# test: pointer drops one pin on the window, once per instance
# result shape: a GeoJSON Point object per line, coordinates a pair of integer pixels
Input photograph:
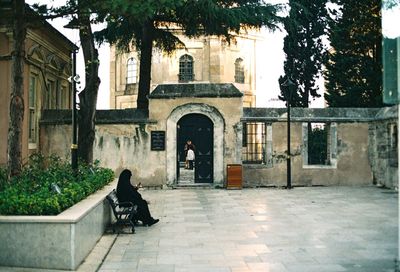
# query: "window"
{"type": "Point", "coordinates": [132, 71]}
{"type": "Point", "coordinates": [32, 109]}
{"type": "Point", "coordinates": [239, 71]}
{"type": "Point", "coordinates": [51, 95]}
{"type": "Point", "coordinates": [186, 68]}
{"type": "Point", "coordinates": [59, 99]}
{"type": "Point", "coordinates": [393, 138]}
{"type": "Point", "coordinates": [254, 143]}
{"type": "Point", "coordinates": [320, 144]}
{"type": "Point", "coordinates": [62, 98]}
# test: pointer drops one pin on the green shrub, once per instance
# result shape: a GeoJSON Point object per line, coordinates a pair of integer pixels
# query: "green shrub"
{"type": "Point", "coordinates": [33, 193]}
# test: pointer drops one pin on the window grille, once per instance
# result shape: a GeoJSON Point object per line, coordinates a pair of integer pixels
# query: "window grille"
{"type": "Point", "coordinates": [239, 71]}
{"type": "Point", "coordinates": [318, 144]}
{"type": "Point", "coordinates": [132, 71]}
{"type": "Point", "coordinates": [186, 68]}
{"type": "Point", "coordinates": [254, 143]}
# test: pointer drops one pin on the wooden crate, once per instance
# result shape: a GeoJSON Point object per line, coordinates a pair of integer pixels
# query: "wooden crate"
{"type": "Point", "coordinates": [234, 176]}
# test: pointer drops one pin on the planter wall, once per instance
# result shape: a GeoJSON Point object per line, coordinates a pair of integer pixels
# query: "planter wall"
{"type": "Point", "coordinates": [55, 242]}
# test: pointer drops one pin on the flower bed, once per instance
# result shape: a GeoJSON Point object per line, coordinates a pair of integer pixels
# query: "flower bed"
{"type": "Point", "coordinates": [57, 241]}
{"type": "Point", "coordinates": [48, 186]}
{"type": "Point", "coordinates": [50, 216]}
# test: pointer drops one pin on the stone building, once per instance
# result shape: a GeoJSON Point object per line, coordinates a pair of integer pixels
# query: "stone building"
{"type": "Point", "coordinates": [204, 60]}
{"type": "Point", "coordinates": [46, 71]}
{"type": "Point", "coordinates": [205, 94]}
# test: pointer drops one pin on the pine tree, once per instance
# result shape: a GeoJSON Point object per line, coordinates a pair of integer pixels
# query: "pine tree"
{"type": "Point", "coordinates": [147, 23]}
{"type": "Point", "coordinates": [354, 69]}
{"type": "Point", "coordinates": [82, 14]}
{"type": "Point", "coordinates": [306, 26]}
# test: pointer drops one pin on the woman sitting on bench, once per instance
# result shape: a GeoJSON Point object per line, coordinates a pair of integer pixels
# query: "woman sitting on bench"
{"type": "Point", "coordinates": [126, 192]}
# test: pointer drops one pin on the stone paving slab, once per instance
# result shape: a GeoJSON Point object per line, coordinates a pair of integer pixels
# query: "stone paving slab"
{"type": "Point", "coordinates": [261, 230]}
{"type": "Point", "coordinates": [305, 229]}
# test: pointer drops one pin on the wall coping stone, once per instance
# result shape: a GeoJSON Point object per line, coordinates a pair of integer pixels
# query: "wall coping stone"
{"type": "Point", "coordinates": [125, 116]}
{"type": "Point", "coordinates": [319, 114]}
{"type": "Point", "coordinates": [71, 215]}
{"type": "Point", "coordinates": [221, 90]}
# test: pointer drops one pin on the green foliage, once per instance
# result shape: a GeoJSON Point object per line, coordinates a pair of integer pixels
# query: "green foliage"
{"type": "Point", "coordinates": [306, 26]}
{"type": "Point", "coordinates": [3, 177]}
{"type": "Point", "coordinates": [147, 23]}
{"type": "Point", "coordinates": [354, 69]}
{"type": "Point", "coordinates": [126, 20]}
{"type": "Point", "coordinates": [32, 192]}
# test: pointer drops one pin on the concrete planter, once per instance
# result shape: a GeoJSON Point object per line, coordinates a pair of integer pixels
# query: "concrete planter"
{"type": "Point", "coordinates": [55, 242]}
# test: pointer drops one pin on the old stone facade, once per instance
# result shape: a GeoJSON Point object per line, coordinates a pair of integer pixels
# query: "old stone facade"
{"type": "Point", "coordinates": [360, 145]}
{"type": "Point", "coordinates": [204, 60]}
{"type": "Point", "coordinates": [330, 146]}
{"type": "Point", "coordinates": [46, 71]}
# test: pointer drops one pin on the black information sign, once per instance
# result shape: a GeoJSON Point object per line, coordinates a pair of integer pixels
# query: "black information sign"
{"type": "Point", "coordinates": [158, 140]}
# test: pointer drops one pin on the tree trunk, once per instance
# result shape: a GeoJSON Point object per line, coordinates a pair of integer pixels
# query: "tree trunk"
{"type": "Point", "coordinates": [88, 97]}
{"type": "Point", "coordinates": [146, 49]}
{"type": "Point", "coordinates": [16, 114]}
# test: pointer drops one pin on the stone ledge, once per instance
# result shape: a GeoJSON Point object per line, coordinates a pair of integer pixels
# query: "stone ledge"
{"type": "Point", "coordinates": [314, 114]}
{"type": "Point", "coordinates": [125, 116]}
{"type": "Point", "coordinates": [64, 240]}
{"type": "Point", "coordinates": [168, 91]}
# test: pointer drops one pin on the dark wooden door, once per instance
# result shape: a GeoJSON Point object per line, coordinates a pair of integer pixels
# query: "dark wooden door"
{"type": "Point", "coordinates": [200, 130]}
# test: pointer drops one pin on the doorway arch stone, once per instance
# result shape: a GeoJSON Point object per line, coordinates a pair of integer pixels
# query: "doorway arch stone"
{"type": "Point", "coordinates": [218, 141]}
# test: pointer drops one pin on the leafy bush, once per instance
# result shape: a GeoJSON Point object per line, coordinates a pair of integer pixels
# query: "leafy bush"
{"type": "Point", "coordinates": [34, 192]}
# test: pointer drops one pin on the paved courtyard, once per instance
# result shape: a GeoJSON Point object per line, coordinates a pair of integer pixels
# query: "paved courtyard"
{"type": "Point", "coordinates": [305, 229]}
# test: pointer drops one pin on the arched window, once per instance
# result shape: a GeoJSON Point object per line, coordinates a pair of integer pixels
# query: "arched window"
{"type": "Point", "coordinates": [186, 68]}
{"type": "Point", "coordinates": [132, 71]}
{"type": "Point", "coordinates": [239, 71]}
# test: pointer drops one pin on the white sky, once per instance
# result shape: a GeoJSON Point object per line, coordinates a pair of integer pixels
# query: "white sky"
{"type": "Point", "coordinates": [270, 58]}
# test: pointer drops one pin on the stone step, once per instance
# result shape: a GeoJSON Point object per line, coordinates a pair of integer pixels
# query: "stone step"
{"type": "Point", "coordinates": [194, 185]}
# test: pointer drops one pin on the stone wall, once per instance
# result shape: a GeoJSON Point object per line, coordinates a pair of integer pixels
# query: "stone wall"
{"type": "Point", "coordinates": [382, 148]}
{"type": "Point", "coordinates": [362, 143]}
{"type": "Point", "coordinates": [363, 147]}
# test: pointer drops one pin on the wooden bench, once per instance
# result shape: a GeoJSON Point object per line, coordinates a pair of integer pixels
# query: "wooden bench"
{"type": "Point", "coordinates": [124, 212]}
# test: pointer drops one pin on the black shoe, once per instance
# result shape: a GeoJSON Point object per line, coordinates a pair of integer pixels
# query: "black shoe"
{"type": "Point", "coordinates": [154, 221]}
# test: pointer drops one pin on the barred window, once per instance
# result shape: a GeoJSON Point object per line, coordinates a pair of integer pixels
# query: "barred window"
{"type": "Point", "coordinates": [239, 71]}
{"type": "Point", "coordinates": [186, 68]}
{"type": "Point", "coordinates": [132, 71]}
{"type": "Point", "coordinates": [254, 143]}
{"type": "Point", "coordinates": [318, 147]}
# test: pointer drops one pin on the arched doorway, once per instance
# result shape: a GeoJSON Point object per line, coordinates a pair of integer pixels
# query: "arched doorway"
{"type": "Point", "coordinates": [172, 140]}
{"type": "Point", "coordinates": [199, 129]}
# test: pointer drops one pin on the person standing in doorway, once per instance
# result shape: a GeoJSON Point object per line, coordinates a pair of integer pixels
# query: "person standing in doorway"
{"type": "Point", "coordinates": [190, 157]}
{"type": "Point", "coordinates": [188, 145]}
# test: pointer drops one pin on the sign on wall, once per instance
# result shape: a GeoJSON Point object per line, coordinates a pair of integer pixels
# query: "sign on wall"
{"type": "Point", "coordinates": [158, 140]}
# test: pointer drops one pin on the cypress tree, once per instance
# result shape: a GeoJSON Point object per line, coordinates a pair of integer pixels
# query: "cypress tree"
{"type": "Point", "coordinates": [354, 68]}
{"type": "Point", "coordinates": [305, 53]}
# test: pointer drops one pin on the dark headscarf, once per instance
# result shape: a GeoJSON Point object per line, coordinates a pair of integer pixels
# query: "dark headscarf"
{"type": "Point", "coordinates": [124, 181]}
{"type": "Point", "coordinates": [125, 191]}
